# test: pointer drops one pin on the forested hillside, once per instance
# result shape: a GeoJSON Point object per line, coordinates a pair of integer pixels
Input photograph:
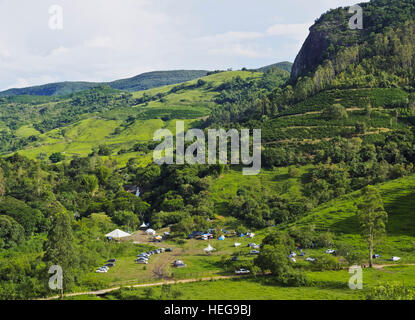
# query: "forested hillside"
{"type": "Point", "coordinates": [141, 82]}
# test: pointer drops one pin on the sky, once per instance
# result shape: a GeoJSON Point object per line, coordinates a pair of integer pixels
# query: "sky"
{"type": "Point", "coordinates": [47, 41]}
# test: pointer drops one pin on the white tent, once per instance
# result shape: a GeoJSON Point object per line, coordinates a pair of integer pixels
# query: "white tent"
{"type": "Point", "coordinates": [150, 232]}
{"type": "Point", "coordinates": [209, 248]}
{"type": "Point", "coordinates": [143, 226]}
{"type": "Point", "coordinates": [117, 234]}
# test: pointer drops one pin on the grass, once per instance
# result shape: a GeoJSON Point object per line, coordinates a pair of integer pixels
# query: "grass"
{"type": "Point", "coordinates": [273, 181]}
{"type": "Point", "coordinates": [339, 216]}
{"type": "Point", "coordinates": [80, 138]}
{"type": "Point", "coordinates": [328, 285]}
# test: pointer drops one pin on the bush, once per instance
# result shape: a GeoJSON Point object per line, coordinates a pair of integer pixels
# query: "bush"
{"type": "Point", "coordinates": [327, 262]}
{"type": "Point", "coordinates": [56, 157]}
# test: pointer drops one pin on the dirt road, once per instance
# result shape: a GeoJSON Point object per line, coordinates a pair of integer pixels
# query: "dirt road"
{"type": "Point", "coordinates": [104, 291]}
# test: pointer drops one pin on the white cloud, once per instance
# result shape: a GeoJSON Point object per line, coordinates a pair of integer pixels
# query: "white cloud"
{"type": "Point", "coordinates": [238, 50]}
{"type": "Point", "coordinates": [295, 31]}
{"type": "Point", "coordinates": [104, 40]}
{"type": "Point", "coordinates": [230, 37]}
{"type": "Point", "coordinates": [99, 42]}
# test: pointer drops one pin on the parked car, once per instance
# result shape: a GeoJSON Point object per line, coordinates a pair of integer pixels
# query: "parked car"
{"type": "Point", "coordinates": [310, 259]}
{"type": "Point", "coordinates": [376, 256]}
{"type": "Point", "coordinates": [235, 259]}
{"type": "Point", "coordinates": [143, 258]}
{"type": "Point", "coordinates": [330, 251]}
{"type": "Point", "coordinates": [109, 265]}
{"type": "Point", "coordinates": [142, 261]}
{"type": "Point", "coordinates": [254, 252]}
{"type": "Point", "coordinates": [395, 258]}
{"type": "Point", "coordinates": [242, 271]}
{"type": "Point", "coordinates": [302, 254]}
{"type": "Point", "coordinates": [111, 260]}
{"type": "Point", "coordinates": [169, 250]}
{"type": "Point", "coordinates": [179, 264]}
{"type": "Point", "coordinates": [101, 271]}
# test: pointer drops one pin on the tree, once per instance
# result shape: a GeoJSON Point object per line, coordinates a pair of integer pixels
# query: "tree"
{"type": "Point", "coordinates": [2, 184]}
{"type": "Point", "coordinates": [104, 150]}
{"type": "Point", "coordinates": [275, 260]}
{"type": "Point", "coordinates": [59, 247]}
{"type": "Point", "coordinates": [11, 232]}
{"type": "Point", "coordinates": [335, 112]}
{"type": "Point", "coordinates": [56, 157]}
{"type": "Point", "coordinates": [372, 218]}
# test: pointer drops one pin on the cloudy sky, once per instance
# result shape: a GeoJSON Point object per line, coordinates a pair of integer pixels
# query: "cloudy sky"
{"type": "Point", "coordinates": [102, 40]}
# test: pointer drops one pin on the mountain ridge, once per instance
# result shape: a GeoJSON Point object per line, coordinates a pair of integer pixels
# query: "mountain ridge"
{"type": "Point", "coordinates": [143, 81]}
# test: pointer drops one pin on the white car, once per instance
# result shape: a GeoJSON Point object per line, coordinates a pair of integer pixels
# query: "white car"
{"type": "Point", "coordinates": [102, 270]}
{"type": "Point", "coordinates": [395, 259]}
{"type": "Point", "coordinates": [142, 261]}
{"type": "Point", "coordinates": [242, 271]}
{"type": "Point", "coordinates": [330, 251]}
{"type": "Point", "coordinates": [310, 259]}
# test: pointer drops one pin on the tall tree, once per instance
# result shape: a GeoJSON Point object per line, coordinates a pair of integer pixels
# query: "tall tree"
{"type": "Point", "coordinates": [60, 249]}
{"type": "Point", "coordinates": [372, 218]}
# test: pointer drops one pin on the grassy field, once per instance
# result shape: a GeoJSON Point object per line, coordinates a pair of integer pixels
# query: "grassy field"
{"type": "Point", "coordinates": [339, 216]}
{"type": "Point", "coordinates": [109, 127]}
{"type": "Point", "coordinates": [81, 137]}
{"type": "Point", "coordinates": [328, 285]}
{"type": "Point", "coordinates": [275, 181]}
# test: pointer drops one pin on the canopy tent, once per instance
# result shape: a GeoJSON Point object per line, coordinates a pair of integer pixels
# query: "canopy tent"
{"type": "Point", "coordinates": [117, 234]}
{"type": "Point", "coordinates": [209, 249]}
{"type": "Point", "coordinates": [221, 238]}
{"type": "Point", "coordinates": [143, 226]}
{"type": "Point", "coordinates": [150, 232]}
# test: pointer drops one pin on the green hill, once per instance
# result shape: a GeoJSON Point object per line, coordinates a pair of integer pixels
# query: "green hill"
{"type": "Point", "coordinates": [141, 82]}
{"type": "Point", "coordinates": [74, 124]}
{"type": "Point", "coordinates": [282, 65]}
